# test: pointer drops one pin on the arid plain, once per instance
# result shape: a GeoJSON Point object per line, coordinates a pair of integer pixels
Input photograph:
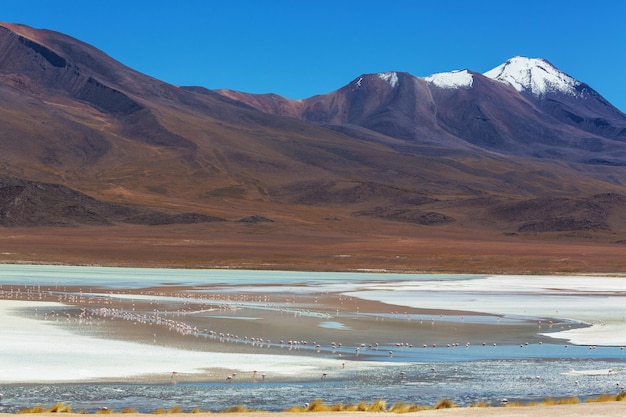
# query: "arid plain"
{"type": "Point", "coordinates": [292, 245]}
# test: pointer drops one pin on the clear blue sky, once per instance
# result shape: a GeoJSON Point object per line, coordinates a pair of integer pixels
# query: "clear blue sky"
{"type": "Point", "coordinates": [299, 48]}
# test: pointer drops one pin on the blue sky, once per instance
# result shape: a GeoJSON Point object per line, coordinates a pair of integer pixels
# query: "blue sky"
{"type": "Point", "coordinates": [300, 48]}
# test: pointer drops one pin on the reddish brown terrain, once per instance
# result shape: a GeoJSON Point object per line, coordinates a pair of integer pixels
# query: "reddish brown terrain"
{"type": "Point", "coordinates": [295, 245]}
{"type": "Point", "coordinates": [100, 164]}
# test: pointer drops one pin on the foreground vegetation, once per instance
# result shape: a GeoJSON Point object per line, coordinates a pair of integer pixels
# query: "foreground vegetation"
{"type": "Point", "coordinates": [320, 406]}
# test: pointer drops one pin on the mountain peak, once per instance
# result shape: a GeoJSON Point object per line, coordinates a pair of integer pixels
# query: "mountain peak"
{"type": "Point", "coordinates": [390, 77]}
{"type": "Point", "coordinates": [535, 75]}
{"type": "Point", "coordinates": [452, 79]}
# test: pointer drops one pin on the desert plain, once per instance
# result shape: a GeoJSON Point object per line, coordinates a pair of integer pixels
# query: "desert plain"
{"type": "Point", "coordinates": [330, 244]}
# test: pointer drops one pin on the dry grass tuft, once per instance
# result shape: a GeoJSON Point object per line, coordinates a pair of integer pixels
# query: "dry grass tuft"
{"type": "Point", "coordinates": [414, 407]}
{"type": "Point", "coordinates": [60, 408]}
{"type": "Point", "coordinates": [32, 410]}
{"type": "Point", "coordinates": [552, 401]}
{"type": "Point", "coordinates": [545, 401]}
{"type": "Point", "coordinates": [569, 400]}
{"type": "Point", "coordinates": [337, 407]}
{"type": "Point", "coordinates": [350, 407]}
{"type": "Point", "coordinates": [317, 406]}
{"type": "Point", "coordinates": [362, 406]}
{"type": "Point", "coordinates": [601, 399]}
{"type": "Point", "coordinates": [175, 410]}
{"type": "Point", "coordinates": [377, 406]}
{"type": "Point", "coordinates": [445, 403]}
{"type": "Point", "coordinates": [401, 408]}
{"type": "Point", "coordinates": [237, 409]}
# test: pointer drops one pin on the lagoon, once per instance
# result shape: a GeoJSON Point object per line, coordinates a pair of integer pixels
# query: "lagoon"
{"type": "Point", "coordinates": [124, 337]}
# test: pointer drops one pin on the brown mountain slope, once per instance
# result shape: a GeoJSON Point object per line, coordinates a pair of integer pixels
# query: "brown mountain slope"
{"type": "Point", "coordinates": [27, 203]}
{"type": "Point", "coordinates": [130, 149]}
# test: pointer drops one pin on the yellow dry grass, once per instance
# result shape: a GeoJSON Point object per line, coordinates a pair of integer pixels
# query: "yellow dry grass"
{"type": "Point", "coordinates": [378, 406]}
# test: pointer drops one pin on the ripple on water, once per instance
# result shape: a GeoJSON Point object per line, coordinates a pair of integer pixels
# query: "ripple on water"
{"type": "Point", "coordinates": [417, 383]}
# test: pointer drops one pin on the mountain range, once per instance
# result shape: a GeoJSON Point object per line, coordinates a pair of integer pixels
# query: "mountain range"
{"type": "Point", "coordinates": [524, 107]}
{"type": "Point", "coordinates": [521, 150]}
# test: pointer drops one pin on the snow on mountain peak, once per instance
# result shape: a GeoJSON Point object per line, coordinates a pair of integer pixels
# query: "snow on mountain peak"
{"type": "Point", "coordinates": [453, 79]}
{"type": "Point", "coordinates": [535, 75]}
{"type": "Point", "coordinates": [390, 77]}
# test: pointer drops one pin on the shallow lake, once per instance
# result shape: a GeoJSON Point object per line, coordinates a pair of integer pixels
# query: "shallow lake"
{"type": "Point", "coordinates": [157, 338]}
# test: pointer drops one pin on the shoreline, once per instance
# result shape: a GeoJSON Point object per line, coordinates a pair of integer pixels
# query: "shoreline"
{"type": "Point", "coordinates": [612, 408]}
{"type": "Point", "coordinates": [274, 268]}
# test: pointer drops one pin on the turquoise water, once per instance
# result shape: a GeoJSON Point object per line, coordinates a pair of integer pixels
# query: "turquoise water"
{"type": "Point", "coordinates": [142, 277]}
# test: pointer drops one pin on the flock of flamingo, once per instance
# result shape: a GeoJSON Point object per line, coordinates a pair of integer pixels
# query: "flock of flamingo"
{"type": "Point", "coordinates": [103, 310]}
{"type": "Point", "coordinates": [143, 307]}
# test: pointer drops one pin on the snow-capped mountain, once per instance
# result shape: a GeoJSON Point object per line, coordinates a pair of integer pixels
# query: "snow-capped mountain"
{"type": "Point", "coordinates": [452, 79]}
{"type": "Point", "coordinates": [525, 106]}
{"type": "Point", "coordinates": [534, 75]}
{"type": "Point", "coordinates": [561, 96]}
{"type": "Point", "coordinates": [390, 77]}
